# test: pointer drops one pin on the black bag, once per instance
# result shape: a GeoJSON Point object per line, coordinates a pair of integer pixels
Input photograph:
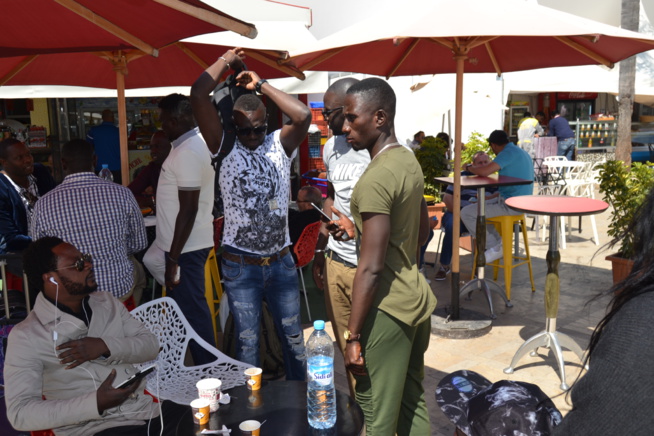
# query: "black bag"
{"type": "Point", "coordinates": [224, 96]}
{"type": "Point", "coordinates": [270, 348]}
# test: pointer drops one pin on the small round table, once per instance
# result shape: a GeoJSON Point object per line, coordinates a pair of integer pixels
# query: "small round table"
{"type": "Point", "coordinates": [283, 405]}
{"type": "Point", "coordinates": [555, 207]}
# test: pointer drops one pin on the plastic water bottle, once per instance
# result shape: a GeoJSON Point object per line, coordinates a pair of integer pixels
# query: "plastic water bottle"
{"type": "Point", "coordinates": [321, 396]}
{"type": "Point", "coordinates": [105, 173]}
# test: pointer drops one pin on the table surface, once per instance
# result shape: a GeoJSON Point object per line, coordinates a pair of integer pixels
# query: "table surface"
{"type": "Point", "coordinates": [556, 205]}
{"type": "Point", "coordinates": [481, 181]}
{"type": "Point", "coordinates": [283, 405]}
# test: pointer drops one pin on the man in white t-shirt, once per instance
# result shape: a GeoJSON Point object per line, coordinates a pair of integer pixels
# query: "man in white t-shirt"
{"type": "Point", "coordinates": [184, 219]}
{"type": "Point", "coordinates": [335, 262]}
{"type": "Point", "coordinates": [255, 181]}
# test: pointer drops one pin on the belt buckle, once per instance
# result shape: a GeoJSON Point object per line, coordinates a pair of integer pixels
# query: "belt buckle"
{"type": "Point", "coordinates": [265, 261]}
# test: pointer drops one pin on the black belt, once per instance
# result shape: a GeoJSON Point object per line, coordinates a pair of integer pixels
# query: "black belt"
{"type": "Point", "coordinates": [334, 256]}
{"type": "Point", "coordinates": [255, 260]}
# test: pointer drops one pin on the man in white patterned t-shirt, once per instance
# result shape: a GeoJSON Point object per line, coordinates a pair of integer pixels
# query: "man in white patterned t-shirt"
{"type": "Point", "coordinates": [255, 183]}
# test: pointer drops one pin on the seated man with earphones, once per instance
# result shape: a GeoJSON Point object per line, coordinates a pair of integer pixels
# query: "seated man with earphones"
{"type": "Point", "coordinates": [66, 358]}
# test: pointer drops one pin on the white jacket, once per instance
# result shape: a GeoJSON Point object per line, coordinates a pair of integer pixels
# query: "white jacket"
{"type": "Point", "coordinates": [33, 372]}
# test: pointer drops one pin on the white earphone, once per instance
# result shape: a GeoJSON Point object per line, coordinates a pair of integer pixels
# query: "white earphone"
{"type": "Point", "coordinates": [52, 280]}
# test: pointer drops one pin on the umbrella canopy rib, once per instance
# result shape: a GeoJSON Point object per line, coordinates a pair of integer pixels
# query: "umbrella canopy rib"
{"type": "Point", "coordinates": [17, 69]}
{"type": "Point", "coordinates": [108, 26]}
{"type": "Point", "coordinates": [291, 71]}
{"type": "Point", "coordinates": [403, 57]}
{"type": "Point", "coordinates": [586, 51]}
{"type": "Point", "coordinates": [493, 58]}
{"type": "Point", "coordinates": [211, 18]}
{"type": "Point", "coordinates": [191, 54]}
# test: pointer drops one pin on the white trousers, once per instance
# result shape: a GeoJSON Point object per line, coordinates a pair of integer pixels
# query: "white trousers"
{"type": "Point", "coordinates": [494, 207]}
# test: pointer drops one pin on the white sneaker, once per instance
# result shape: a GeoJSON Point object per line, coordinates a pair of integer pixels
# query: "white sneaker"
{"type": "Point", "coordinates": [493, 253]}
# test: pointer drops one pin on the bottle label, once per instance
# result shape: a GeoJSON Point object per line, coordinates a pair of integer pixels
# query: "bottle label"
{"type": "Point", "coordinates": [321, 371]}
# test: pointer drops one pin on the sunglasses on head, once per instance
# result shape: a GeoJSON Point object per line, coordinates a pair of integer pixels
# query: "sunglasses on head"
{"type": "Point", "coordinates": [79, 263]}
{"type": "Point", "coordinates": [248, 130]}
{"type": "Point", "coordinates": [327, 113]}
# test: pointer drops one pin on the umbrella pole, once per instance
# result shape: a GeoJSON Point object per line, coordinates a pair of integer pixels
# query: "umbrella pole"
{"type": "Point", "coordinates": [122, 126]}
{"type": "Point", "coordinates": [459, 57]}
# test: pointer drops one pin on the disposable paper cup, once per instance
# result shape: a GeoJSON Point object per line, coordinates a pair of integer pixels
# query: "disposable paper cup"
{"type": "Point", "coordinates": [253, 376]}
{"type": "Point", "coordinates": [209, 389]}
{"type": "Point", "coordinates": [200, 411]}
{"type": "Point", "coordinates": [250, 428]}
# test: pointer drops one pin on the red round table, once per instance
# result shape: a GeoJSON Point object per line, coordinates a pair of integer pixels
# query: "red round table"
{"type": "Point", "coordinates": [555, 207]}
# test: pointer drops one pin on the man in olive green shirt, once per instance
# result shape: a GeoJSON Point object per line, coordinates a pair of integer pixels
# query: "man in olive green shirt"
{"type": "Point", "coordinates": [389, 326]}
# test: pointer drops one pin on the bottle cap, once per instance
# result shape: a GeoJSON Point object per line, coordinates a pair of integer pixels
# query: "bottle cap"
{"type": "Point", "coordinates": [319, 324]}
{"type": "Point", "coordinates": [105, 166]}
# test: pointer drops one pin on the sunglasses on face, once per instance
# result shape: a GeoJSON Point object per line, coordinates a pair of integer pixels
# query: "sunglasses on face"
{"type": "Point", "coordinates": [79, 263]}
{"type": "Point", "coordinates": [249, 130]}
{"type": "Point", "coordinates": [327, 113]}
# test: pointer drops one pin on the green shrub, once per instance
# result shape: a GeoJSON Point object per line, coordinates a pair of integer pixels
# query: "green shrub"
{"type": "Point", "coordinates": [625, 191]}
{"type": "Point", "coordinates": [432, 160]}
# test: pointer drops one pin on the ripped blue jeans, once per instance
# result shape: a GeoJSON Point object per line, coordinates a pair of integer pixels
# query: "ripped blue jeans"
{"type": "Point", "coordinates": [246, 286]}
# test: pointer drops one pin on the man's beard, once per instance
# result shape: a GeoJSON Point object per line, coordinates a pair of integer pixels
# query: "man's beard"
{"type": "Point", "coordinates": [78, 288]}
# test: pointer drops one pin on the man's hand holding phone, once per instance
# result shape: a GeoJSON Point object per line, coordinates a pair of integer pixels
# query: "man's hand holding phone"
{"type": "Point", "coordinates": [341, 229]}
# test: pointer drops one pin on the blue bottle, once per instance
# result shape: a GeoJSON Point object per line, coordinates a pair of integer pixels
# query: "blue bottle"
{"type": "Point", "coordinates": [105, 173]}
{"type": "Point", "coordinates": [321, 395]}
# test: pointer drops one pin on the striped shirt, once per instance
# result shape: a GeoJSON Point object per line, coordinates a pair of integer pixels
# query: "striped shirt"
{"type": "Point", "coordinates": [98, 217]}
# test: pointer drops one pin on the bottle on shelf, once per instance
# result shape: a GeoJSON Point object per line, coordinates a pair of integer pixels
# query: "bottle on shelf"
{"type": "Point", "coordinates": [105, 173]}
{"type": "Point", "coordinates": [321, 394]}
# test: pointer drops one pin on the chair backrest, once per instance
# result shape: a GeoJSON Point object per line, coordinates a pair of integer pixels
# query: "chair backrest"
{"type": "Point", "coordinates": [554, 158]}
{"type": "Point", "coordinates": [305, 246]}
{"type": "Point", "coordinates": [164, 318]}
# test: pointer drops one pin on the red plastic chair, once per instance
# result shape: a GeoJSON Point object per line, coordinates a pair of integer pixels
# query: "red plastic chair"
{"type": "Point", "coordinates": [304, 251]}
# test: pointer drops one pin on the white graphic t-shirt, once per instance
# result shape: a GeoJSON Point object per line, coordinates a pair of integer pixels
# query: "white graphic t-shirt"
{"type": "Point", "coordinates": [255, 185]}
{"type": "Point", "coordinates": [344, 167]}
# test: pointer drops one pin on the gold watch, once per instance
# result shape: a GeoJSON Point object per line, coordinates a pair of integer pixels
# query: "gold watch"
{"type": "Point", "coordinates": [351, 337]}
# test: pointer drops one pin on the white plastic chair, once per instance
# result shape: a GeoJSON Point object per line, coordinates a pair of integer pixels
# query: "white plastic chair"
{"type": "Point", "coordinates": [173, 380]}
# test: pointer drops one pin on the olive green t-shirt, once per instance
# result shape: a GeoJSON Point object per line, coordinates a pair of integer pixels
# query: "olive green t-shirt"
{"type": "Point", "coordinates": [393, 185]}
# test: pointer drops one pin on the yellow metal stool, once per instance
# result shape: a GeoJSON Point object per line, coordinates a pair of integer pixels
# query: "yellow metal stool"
{"type": "Point", "coordinates": [213, 289]}
{"type": "Point", "coordinates": [504, 225]}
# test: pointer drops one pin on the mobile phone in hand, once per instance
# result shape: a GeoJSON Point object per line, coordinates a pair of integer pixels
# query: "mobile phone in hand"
{"type": "Point", "coordinates": [328, 218]}
{"type": "Point", "coordinates": [136, 377]}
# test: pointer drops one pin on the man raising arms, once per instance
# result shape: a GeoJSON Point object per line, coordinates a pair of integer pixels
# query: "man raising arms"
{"type": "Point", "coordinates": [254, 181]}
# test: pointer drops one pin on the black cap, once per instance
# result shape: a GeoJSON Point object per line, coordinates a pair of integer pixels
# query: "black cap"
{"type": "Point", "coordinates": [498, 137]}
{"type": "Point", "coordinates": [478, 407]}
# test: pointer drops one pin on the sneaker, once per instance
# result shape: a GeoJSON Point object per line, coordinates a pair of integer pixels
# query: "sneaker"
{"type": "Point", "coordinates": [493, 253]}
{"type": "Point", "coordinates": [442, 272]}
{"type": "Point", "coordinates": [422, 271]}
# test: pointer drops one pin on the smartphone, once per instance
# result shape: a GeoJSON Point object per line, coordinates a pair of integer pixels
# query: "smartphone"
{"type": "Point", "coordinates": [328, 218]}
{"type": "Point", "coordinates": [136, 377]}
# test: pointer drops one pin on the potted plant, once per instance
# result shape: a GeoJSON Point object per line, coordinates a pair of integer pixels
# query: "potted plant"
{"type": "Point", "coordinates": [624, 191]}
{"type": "Point", "coordinates": [433, 160]}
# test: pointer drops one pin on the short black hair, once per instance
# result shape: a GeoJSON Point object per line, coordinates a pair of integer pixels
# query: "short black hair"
{"type": "Point", "coordinates": [178, 105]}
{"type": "Point", "coordinates": [377, 92]}
{"type": "Point", "coordinates": [248, 103]}
{"type": "Point", "coordinates": [39, 259]}
{"type": "Point", "coordinates": [527, 114]}
{"type": "Point", "coordinates": [313, 194]}
{"type": "Point", "coordinates": [5, 145]}
{"type": "Point", "coordinates": [341, 86]}
{"type": "Point", "coordinates": [540, 113]}
{"type": "Point", "coordinates": [78, 151]}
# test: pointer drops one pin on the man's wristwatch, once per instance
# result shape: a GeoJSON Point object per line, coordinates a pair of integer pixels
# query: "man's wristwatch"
{"type": "Point", "coordinates": [351, 337]}
{"type": "Point", "coordinates": [259, 84]}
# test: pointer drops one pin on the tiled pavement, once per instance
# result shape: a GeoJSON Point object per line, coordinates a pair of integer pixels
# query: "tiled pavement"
{"type": "Point", "coordinates": [584, 276]}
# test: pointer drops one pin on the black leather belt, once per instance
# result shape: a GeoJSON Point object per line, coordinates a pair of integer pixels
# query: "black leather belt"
{"type": "Point", "coordinates": [334, 256]}
{"type": "Point", "coordinates": [255, 260]}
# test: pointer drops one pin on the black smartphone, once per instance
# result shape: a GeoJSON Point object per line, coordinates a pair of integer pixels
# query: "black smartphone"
{"type": "Point", "coordinates": [136, 377]}
{"type": "Point", "coordinates": [328, 218]}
